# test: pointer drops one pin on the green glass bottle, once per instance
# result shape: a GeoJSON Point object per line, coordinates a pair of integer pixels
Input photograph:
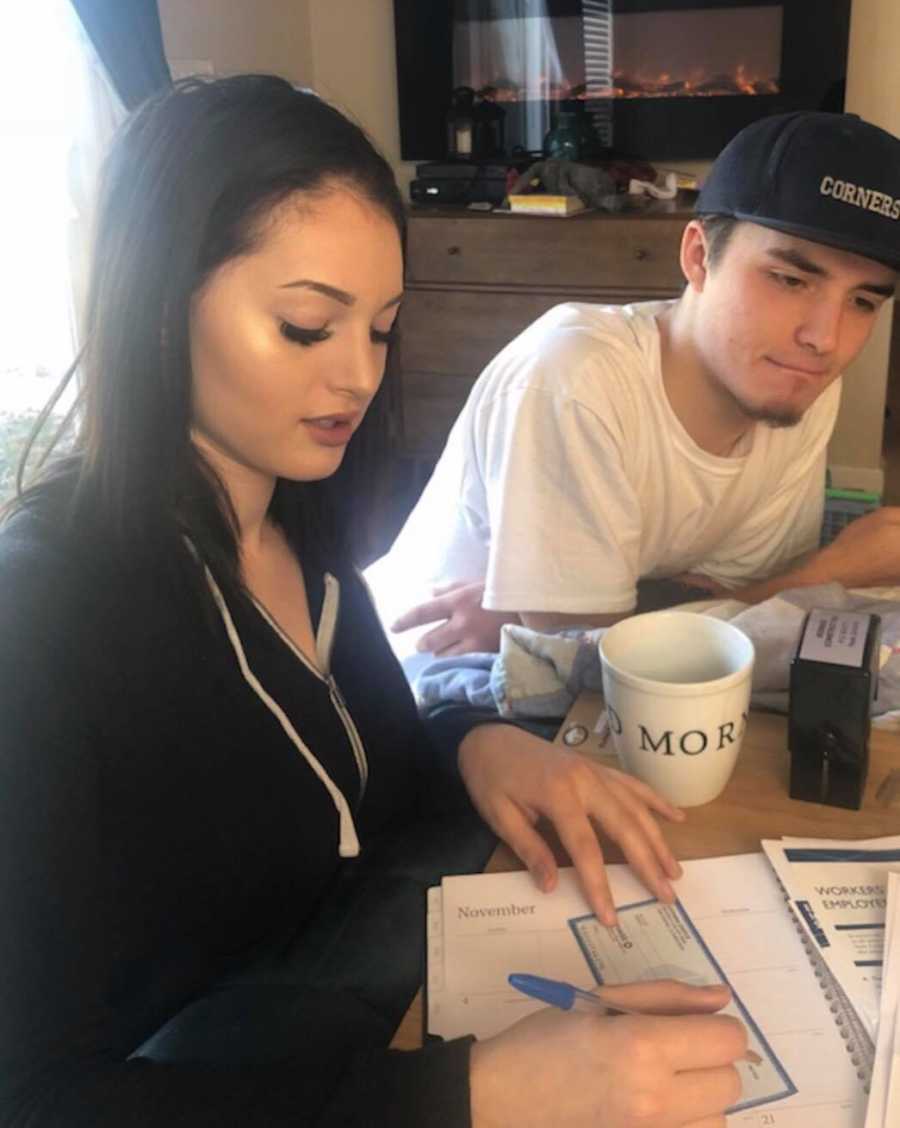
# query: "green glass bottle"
{"type": "Point", "coordinates": [563, 141]}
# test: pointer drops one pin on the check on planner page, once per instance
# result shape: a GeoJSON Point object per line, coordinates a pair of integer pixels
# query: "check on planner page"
{"type": "Point", "coordinates": [730, 925]}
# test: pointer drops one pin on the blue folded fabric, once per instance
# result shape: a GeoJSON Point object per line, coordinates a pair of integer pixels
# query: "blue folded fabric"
{"type": "Point", "coordinates": [539, 674]}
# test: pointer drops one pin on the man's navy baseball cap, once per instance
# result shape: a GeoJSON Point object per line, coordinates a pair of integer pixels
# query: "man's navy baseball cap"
{"type": "Point", "coordinates": [830, 178]}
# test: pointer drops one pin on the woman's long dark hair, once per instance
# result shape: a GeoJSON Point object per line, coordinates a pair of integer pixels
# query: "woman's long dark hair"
{"type": "Point", "coordinates": [185, 188]}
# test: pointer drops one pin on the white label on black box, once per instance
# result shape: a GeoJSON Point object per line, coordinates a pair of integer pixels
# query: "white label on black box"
{"type": "Point", "coordinates": [838, 637]}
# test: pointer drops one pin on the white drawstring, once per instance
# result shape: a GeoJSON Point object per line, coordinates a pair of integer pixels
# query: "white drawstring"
{"type": "Point", "coordinates": [348, 846]}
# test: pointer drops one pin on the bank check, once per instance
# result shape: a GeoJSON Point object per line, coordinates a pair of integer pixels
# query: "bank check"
{"type": "Point", "coordinates": [657, 941]}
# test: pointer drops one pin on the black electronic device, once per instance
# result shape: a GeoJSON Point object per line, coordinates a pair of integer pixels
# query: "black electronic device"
{"type": "Point", "coordinates": [450, 183]}
{"type": "Point", "coordinates": [460, 170]}
{"type": "Point", "coordinates": [834, 680]}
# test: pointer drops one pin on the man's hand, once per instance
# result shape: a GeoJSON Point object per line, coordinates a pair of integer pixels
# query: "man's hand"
{"type": "Point", "coordinates": [514, 778]}
{"type": "Point", "coordinates": [466, 626]}
{"type": "Point", "coordinates": [582, 1070]}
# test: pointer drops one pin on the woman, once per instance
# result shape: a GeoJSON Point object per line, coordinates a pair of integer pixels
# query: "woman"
{"type": "Point", "coordinates": [218, 805]}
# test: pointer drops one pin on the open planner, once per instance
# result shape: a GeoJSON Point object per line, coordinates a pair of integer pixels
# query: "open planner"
{"type": "Point", "coordinates": [731, 923]}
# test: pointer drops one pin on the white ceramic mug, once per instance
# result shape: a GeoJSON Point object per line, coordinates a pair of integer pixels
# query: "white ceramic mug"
{"type": "Point", "coordinates": [677, 690]}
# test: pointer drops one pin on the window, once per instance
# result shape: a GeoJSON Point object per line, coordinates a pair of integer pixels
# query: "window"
{"type": "Point", "coordinates": [57, 114]}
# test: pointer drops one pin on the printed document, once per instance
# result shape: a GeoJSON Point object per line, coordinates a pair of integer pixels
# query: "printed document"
{"type": "Point", "coordinates": [838, 890]}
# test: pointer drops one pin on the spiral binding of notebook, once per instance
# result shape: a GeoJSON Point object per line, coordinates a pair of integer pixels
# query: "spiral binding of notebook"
{"type": "Point", "coordinates": [856, 1038]}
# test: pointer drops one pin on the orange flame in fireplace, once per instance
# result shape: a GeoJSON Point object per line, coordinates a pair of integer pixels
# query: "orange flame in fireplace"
{"type": "Point", "coordinates": [699, 85]}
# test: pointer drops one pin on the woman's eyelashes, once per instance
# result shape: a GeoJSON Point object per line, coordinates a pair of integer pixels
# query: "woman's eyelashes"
{"type": "Point", "coordinates": [300, 336]}
{"type": "Point", "coordinates": [385, 336]}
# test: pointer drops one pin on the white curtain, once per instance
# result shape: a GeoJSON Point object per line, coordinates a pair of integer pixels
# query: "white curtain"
{"type": "Point", "coordinates": [57, 115]}
{"type": "Point", "coordinates": [512, 40]}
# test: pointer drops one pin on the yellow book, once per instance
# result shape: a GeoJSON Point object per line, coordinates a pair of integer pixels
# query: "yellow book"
{"type": "Point", "coordinates": [540, 203]}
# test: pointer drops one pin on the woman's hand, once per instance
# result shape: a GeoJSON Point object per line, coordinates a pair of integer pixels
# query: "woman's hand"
{"type": "Point", "coordinates": [515, 778]}
{"type": "Point", "coordinates": [574, 1069]}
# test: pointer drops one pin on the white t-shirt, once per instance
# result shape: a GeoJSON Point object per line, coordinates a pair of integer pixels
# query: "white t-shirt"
{"type": "Point", "coordinates": [567, 477]}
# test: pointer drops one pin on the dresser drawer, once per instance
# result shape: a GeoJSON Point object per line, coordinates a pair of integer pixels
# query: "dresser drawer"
{"type": "Point", "coordinates": [431, 403]}
{"type": "Point", "coordinates": [633, 255]}
{"type": "Point", "coordinates": [459, 331]}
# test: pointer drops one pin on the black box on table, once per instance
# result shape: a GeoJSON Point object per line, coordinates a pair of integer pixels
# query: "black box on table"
{"type": "Point", "coordinates": [834, 680]}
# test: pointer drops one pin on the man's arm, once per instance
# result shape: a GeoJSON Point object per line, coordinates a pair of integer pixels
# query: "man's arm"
{"type": "Point", "coordinates": [864, 554]}
{"type": "Point", "coordinates": [465, 626]}
{"type": "Point", "coordinates": [556, 620]}
{"type": "Point", "coordinates": [563, 520]}
{"type": "Point", "coordinates": [652, 595]}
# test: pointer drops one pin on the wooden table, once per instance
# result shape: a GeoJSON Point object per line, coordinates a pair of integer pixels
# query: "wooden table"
{"type": "Point", "coordinates": [754, 805]}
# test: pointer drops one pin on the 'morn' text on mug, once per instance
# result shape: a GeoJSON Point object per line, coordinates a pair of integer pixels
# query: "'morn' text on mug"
{"type": "Point", "coordinates": [691, 742]}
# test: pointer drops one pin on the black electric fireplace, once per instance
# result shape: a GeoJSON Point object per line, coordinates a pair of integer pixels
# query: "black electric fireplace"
{"type": "Point", "coordinates": [659, 79]}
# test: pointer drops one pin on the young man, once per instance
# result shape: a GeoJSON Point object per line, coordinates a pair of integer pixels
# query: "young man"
{"type": "Point", "coordinates": [608, 445]}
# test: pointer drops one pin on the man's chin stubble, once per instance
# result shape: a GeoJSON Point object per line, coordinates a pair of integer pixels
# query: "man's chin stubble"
{"type": "Point", "coordinates": [773, 416]}
{"type": "Point", "coordinates": [768, 415]}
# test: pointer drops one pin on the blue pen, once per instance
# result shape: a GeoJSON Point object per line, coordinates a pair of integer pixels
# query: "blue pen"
{"type": "Point", "coordinates": [567, 997]}
{"type": "Point", "coordinates": [563, 995]}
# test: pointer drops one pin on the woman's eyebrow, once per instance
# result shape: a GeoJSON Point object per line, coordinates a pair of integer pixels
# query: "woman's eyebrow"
{"type": "Point", "coordinates": [333, 292]}
{"type": "Point", "coordinates": [323, 288]}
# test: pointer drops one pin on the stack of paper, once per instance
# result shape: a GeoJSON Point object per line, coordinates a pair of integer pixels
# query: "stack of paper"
{"type": "Point", "coordinates": [884, 1098]}
{"type": "Point", "coordinates": [838, 891]}
{"type": "Point", "coordinates": [543, 203]}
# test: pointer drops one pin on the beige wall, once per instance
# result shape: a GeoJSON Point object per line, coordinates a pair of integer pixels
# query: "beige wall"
{"type": "Point", "coordinates": [342, 48]}
{"type": "Point", "coordinates": [345, 50]}
{"type": "Point", "coordinates": [873, 91]}
{"type": "Point", "coordinates": [352, 45]}
{"type": "Point", "coordinates": [234, 36]}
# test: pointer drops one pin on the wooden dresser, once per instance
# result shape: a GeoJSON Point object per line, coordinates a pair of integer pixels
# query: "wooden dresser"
{"type": "Point", "coordinates": [474, 280]}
